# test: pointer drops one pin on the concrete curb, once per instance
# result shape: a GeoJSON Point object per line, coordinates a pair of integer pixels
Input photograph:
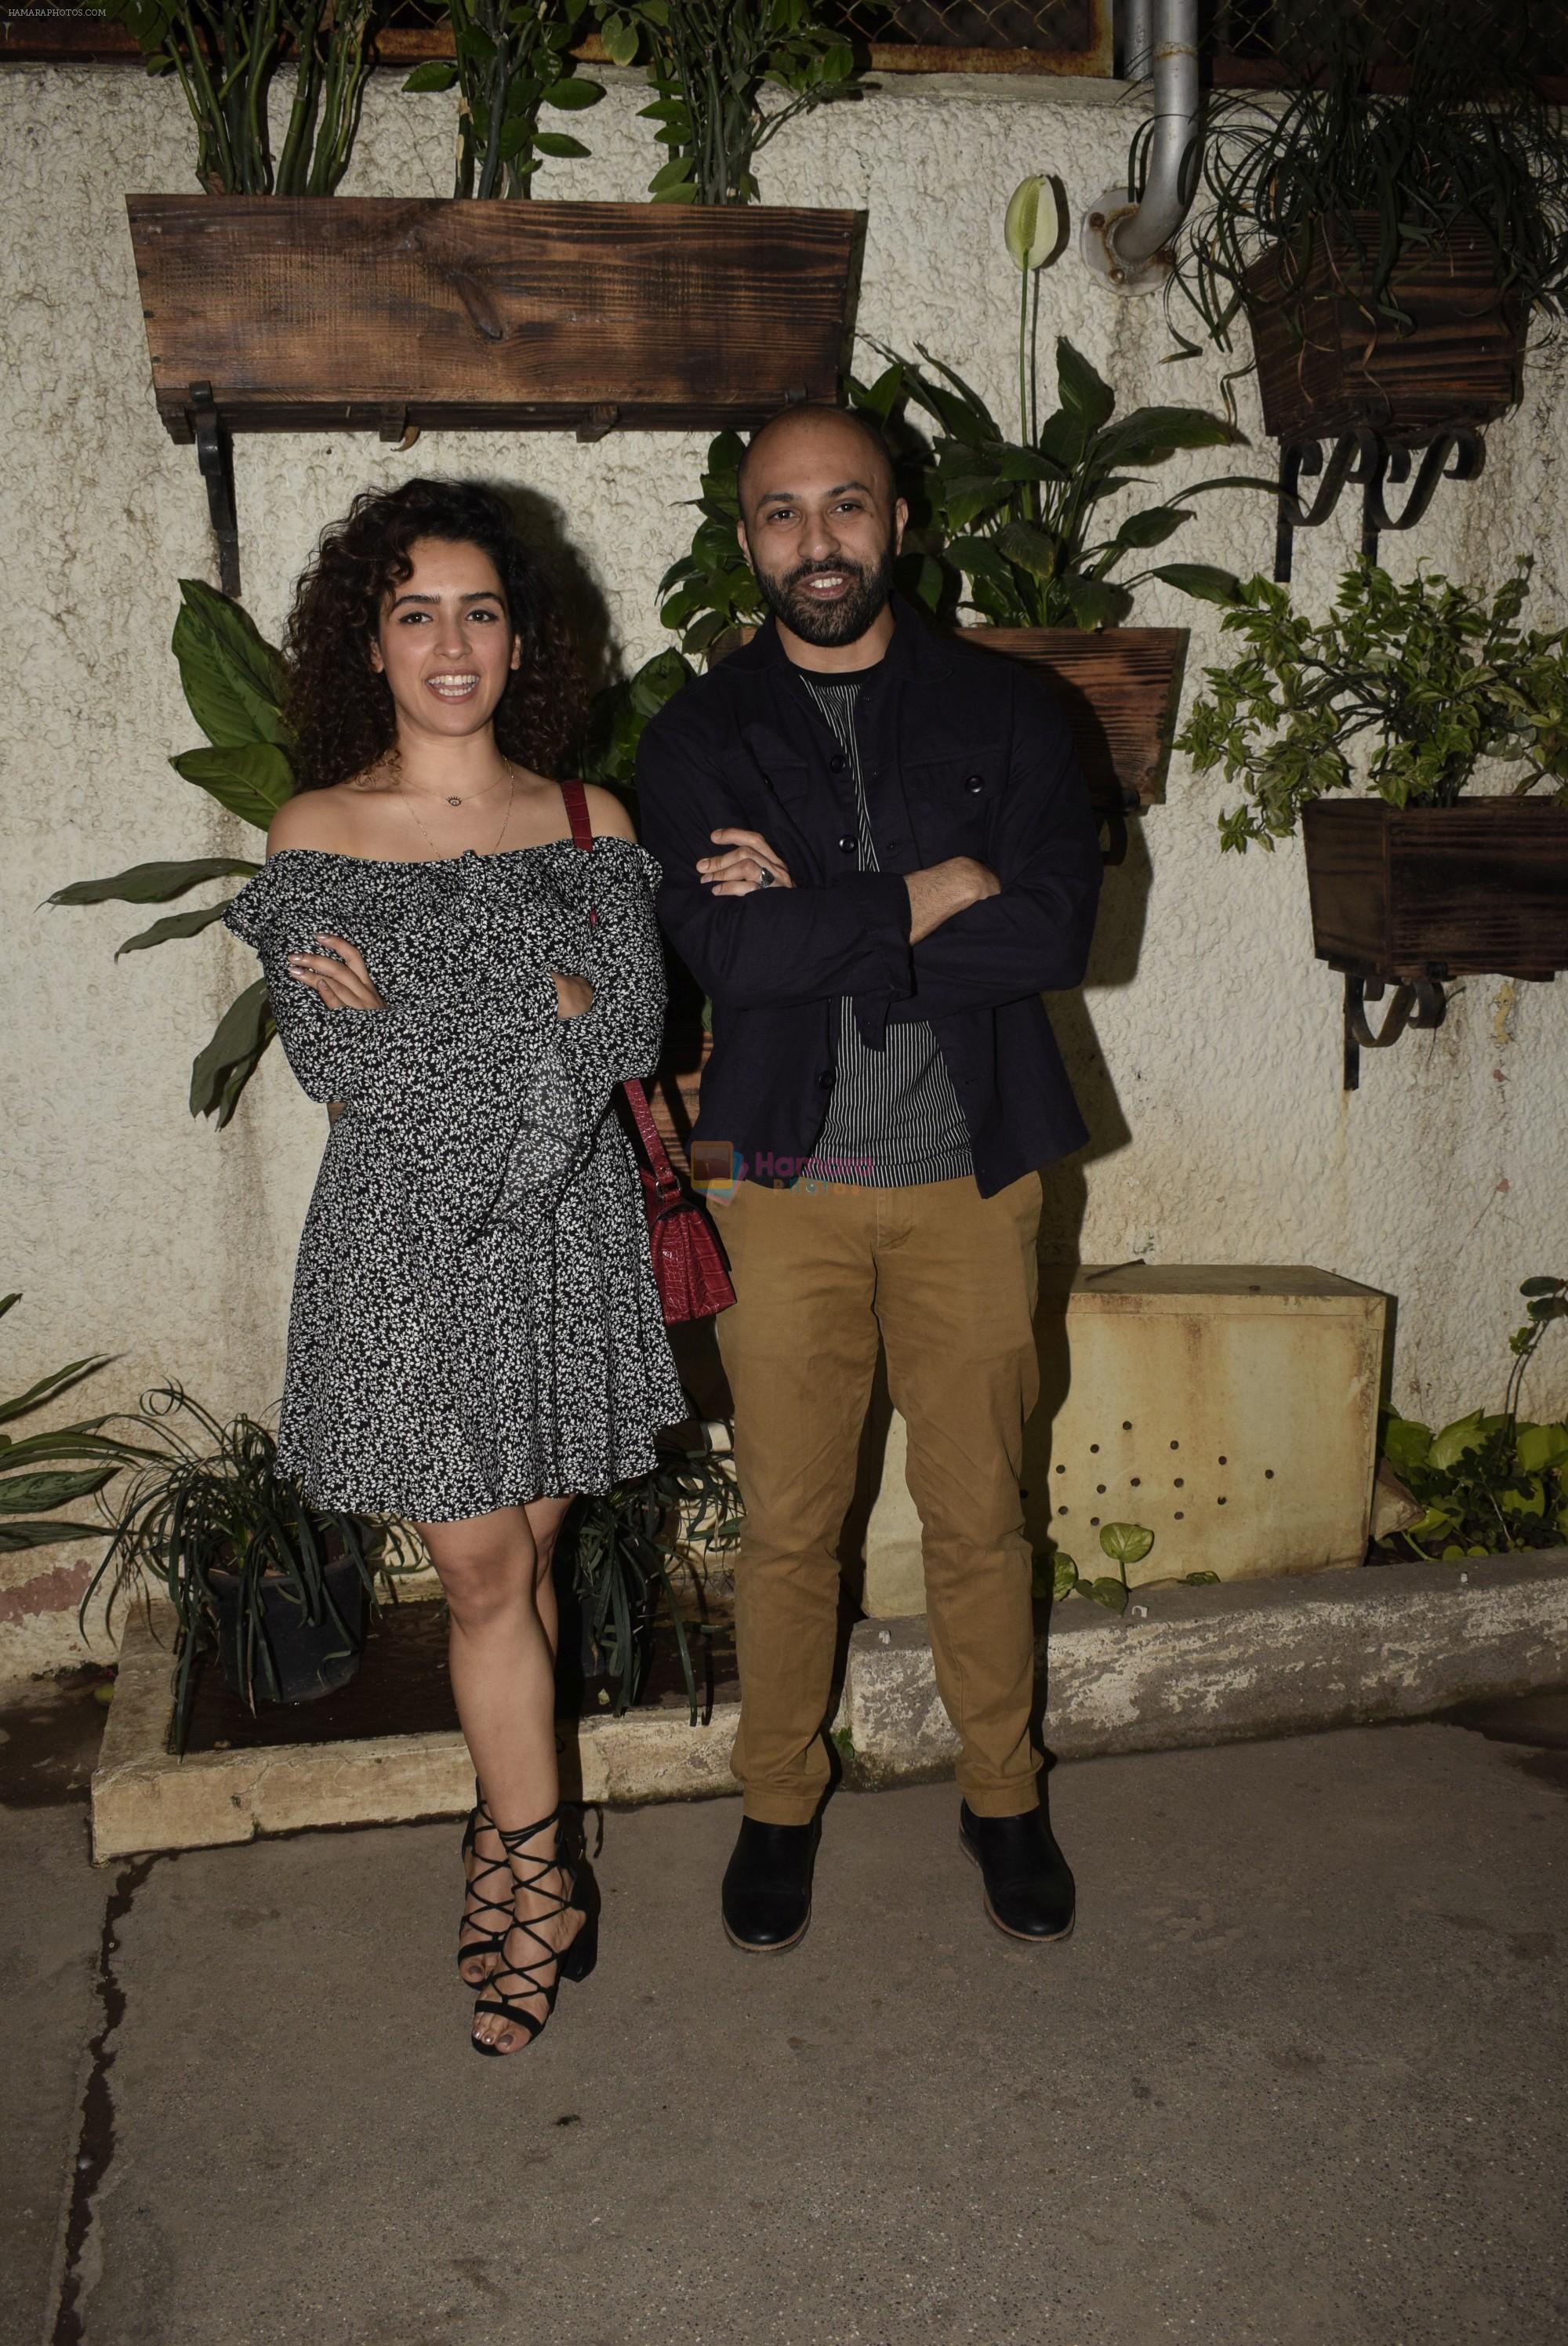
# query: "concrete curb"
{"type": "Point", "coordinates": [1186, 1666]}
{"type": "Point", "coordinates": [1245, 1660]}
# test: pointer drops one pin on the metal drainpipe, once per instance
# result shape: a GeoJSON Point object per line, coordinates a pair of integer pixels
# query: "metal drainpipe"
{"type": "Point", "coordinates": [1125, 244]}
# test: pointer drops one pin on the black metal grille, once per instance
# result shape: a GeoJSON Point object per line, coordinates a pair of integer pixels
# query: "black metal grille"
{"type": "Point", "coordinates": [1274, 40]}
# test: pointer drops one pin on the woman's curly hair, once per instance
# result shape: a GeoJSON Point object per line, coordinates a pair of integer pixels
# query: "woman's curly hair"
{"type": "Point", "coordinates": [341, 708]}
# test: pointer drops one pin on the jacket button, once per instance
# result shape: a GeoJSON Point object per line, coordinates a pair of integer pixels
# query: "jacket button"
{"type": "Point", "coordinates": [825, 1076]}
{"type": "Point", "coordinates": [848, 844]}
{"type": "Point", "coordinates": [974, 785]}
{"type": "Point", "coordinates": [836, 763]}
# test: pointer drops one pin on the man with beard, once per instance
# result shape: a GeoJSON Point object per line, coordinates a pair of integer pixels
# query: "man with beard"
{"type": "Point", "coordinates": [878, 850]}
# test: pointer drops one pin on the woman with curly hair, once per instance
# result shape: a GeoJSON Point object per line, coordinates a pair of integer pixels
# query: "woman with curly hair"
{"type": "Point", "coordinates": [475, 1333]}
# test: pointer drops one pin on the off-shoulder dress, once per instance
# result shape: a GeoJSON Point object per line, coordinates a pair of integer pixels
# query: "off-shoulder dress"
{"type": "Point", "coordinates": [475, 1320]}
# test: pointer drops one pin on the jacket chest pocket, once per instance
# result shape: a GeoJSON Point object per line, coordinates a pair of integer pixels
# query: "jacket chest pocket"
{"type": "Point", "coordinates": [952, 802]}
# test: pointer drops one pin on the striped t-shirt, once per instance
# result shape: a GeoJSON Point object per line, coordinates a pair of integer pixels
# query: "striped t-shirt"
{"type": "Point", "coordinates": [893, 1116]}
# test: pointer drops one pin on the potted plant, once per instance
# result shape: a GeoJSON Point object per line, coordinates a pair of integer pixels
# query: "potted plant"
{"type": "Point", "coordinates": [1419, 684]}
{"type": "Point", "coordinates": [1492, 1481]}
{"type": "Point", "coordinates": [277, 1586]}
{"type": "Point", "coordinates": [1388, 239]}
{"type": "Point", "coordinates": [388, 315]}
{"type": "Point", "coordinates": [623, 1552]}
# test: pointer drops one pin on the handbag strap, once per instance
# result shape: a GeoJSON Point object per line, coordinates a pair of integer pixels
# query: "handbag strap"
{"type": "Point", "coordinates": [664, 1172]}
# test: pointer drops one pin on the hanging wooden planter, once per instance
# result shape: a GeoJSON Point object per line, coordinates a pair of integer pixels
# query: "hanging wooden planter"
{"type": "Point", "coordinates": [1419, 895]}
{"type": "Point", "coordinates": [340, 313]}
{"type": "Point", "coordinates": [1328, 363]}
{"type": "Point", "coordinates": [1120, 687]}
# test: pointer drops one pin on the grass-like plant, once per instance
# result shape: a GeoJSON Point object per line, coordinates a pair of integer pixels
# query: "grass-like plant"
{"type": "Point", "coordinates": [226, 54]}
{"type": "Point", "coordinates": [42, 1472]}
{"type": "Point", "coordinates": [715, 64]}
{"type": "Point", "coordinates": [1423, 681]}
{"type": "Point", "coordinates": [1460, 138]}
{"type": "Point", "coordinates": [623, 1546]}
{"type": "Point", "coordinates": [1492, 1481]}
{"type": "Point", "coordinates": [512, 57]}
{"type": "Point", "coordinates": [206, 1496]}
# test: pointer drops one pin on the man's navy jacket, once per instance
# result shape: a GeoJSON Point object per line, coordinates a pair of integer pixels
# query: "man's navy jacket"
{"type": "Point", "coordinates": [964, 752]}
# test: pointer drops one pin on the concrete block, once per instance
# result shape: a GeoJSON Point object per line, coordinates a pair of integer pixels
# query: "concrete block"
{"type": "Point", "coordinates": [1230, 1407]}
{"type": "Point", "coordinates": [1216, 1665]}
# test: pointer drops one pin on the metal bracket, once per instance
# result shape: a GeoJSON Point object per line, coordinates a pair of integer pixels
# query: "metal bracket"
{"type": "Point", "coordinates": [1368, 460]}
{"type": "Point", "coordinates": [215, 455]}
{"type": "Point", "coordinates": [1420, 1004]}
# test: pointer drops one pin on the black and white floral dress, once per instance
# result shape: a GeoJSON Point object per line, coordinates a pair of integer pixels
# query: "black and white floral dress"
{"type": "Point", "coordinates": [474, 1320]}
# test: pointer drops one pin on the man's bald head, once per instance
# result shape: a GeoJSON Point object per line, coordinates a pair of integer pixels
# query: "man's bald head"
{"type": "Point", "coordinates": [764, 469]}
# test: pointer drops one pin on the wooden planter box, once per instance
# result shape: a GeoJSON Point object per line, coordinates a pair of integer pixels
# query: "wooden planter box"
{"type": "Point", "coordinates": [1433, 893]}
{"type": "Point", "coordinates": [1327, 364]}
{"type": "Point", "coordinates": [1119, 687]}
{"type": "Point", "coordinates": [338, 313]}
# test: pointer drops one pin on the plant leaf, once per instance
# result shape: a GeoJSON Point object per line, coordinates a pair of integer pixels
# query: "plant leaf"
{"type": "Point", "coordinates": [220, 1071]}
{"type": "Point", "coordinates": [1083, 392]}
{"type": "Point", "coordinates": [1126, 1544]}
{"type": "Point", "coordinates": [175, 924]}
{"type": "Point", "coordinates": [1203, 579]}
{"type": "Point", "coordinates": [233, 678]}
{"type": "Point", "coordinates": [37, 1493]}
{"type": "Point", "coordinates": [153, 883]}
{"type": "Point", "coordinates": [252, 781]}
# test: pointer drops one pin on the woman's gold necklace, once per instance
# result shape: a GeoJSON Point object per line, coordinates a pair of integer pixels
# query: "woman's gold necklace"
{"type": "Point", "coordinates": [407, 797]}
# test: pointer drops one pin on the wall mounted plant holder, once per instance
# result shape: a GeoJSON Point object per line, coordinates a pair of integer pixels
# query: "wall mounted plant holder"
{"type": "Point", "coordinates": [1414, 896]}
{"type": "Point", "coordinates": [1364, 458]}
{"type": "Point", "coordinates": [338, 313]}
{"type": "Point", "coordinates": [1120, 687]}
{"type": "Point", "coordinates": [1336, 371]}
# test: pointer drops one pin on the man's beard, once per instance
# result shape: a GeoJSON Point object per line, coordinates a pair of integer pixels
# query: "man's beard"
{"type": "Point", "coordinates": [828, 624]}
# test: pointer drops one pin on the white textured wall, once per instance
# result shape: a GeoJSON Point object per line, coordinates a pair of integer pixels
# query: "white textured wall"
{"type": "Point", "coordinates": [1206, 1045]}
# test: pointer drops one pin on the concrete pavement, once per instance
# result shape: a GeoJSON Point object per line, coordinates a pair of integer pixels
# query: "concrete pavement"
{"type": "Point", "coordinates": [1295, 2081]}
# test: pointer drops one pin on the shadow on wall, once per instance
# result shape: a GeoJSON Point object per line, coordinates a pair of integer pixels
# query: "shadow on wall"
{"type": "Point", "coordinates": [541, 524]}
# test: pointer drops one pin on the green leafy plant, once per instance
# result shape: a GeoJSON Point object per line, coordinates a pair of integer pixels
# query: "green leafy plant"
{"type": "Point", "coordinates": [225, 55]}
{"type": "Point", "coordinates": [1465, 139]}
{"type": "Point", "coordinates": [1057, 1574]}
{"type": "Point", "coordinates": [1429, 677]}
{"type": "Point", "coordinates": [205, 1497]}
{"type": "Point", "coordinates": [513, 56]}
{"type": "Point", "coordinates": [1019, 520]}
{"type": "Point", "coordinates": [619, 713]}
{"type": "Point", "coordinates": [233, 681]}
{"type": "Point", "coordinates": [713, 64]}
{"type": "Point", "coordinates": [1492, 1481]}
{"type": "Point", "coordinates": [623, 1548]}
{"type": "Point", "coordinates": [41, 1471]}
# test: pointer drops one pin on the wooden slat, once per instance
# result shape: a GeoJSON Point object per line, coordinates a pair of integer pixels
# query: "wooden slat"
{"type": "Point", "coordinates": [1411, 892]}
{"type": "Point", "coordinates": [1462, 365]}
{"type": "Point", "coordinates": [1120, 687]}
{"type": "Point", "coordinates": [323, 313]}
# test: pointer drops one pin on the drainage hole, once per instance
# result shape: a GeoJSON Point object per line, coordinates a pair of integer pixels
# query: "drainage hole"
{"type": "Point", "coordinates": [1126, 1425]}
{"type": "Point", "coordinates": [1178, 1514]}
{"type": "Point", "coordinates": [1219, 1503]}
{"type": "Point", "coordinates": [1101, 1489]}
{"type": "Point", "coordinates": [1179, 1480]}
{"type": "Point", "coordinates": [1269, 1473]}
{"type": "Point", "coordinates": [1062, 1511]}
{"type": "Point", "coordinates": [1175, 1446]}
{"type": "Point", "coordinates": [1061, 1470]}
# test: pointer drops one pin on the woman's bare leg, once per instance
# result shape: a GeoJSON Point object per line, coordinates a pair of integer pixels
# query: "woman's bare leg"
{"type": "Point", "coordinates": [495, 1570]}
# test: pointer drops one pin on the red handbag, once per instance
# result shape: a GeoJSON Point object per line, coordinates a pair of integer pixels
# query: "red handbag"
{"type": "Point", "coordinates": [689, 1265]}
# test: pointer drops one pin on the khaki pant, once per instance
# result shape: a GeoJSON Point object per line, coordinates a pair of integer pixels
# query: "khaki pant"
{"type": "Point", "coordinates": [947, 1279]}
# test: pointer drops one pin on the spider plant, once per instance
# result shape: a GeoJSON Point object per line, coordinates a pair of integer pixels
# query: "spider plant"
{"type": "Point", "coordinates": [41, 1471]}
{"type": "Point", "coordinates": [512, 57]}
{"type": "Point", "coordinates": [205, 1498]}
{"type": "Point", "coordinates": [225, 55]}
{"type": "Point", "coordinates": [1466, 140]}
{"type": "Point", "coordinates": [624, 1548]}
{"type": "Point", "coordinates": [711, 61]}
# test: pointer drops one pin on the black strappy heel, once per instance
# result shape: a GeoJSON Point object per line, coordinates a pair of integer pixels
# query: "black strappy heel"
{"type": "Point", "coordinates": [476, 1886]}
{"type": "Point", "coordinates": [573, 1963]}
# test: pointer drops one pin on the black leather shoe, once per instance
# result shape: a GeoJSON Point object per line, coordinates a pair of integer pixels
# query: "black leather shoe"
{"type": "Point", "coordinates": [767, 1896]}
{"type": "Point", "coordinates": [1028, 1887]}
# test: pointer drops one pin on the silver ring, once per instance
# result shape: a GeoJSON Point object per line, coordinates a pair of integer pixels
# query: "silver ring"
{"type": "Point", "coordinates": [763, 876]}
